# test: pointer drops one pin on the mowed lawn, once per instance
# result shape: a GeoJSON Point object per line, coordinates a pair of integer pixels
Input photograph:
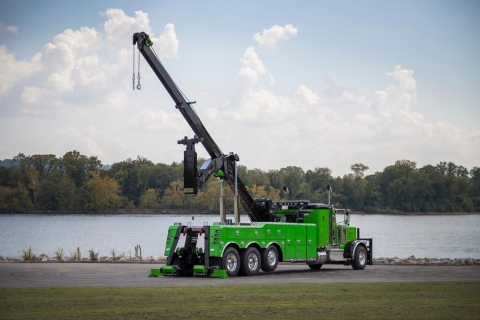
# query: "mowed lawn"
{"type": "Point", "coordinates": [431, 300]}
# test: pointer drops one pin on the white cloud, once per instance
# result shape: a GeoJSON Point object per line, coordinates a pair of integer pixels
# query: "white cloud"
{"type": "Point", "coordinates": [166, 45]}
{"type": "Point", "coordinates": [261, 106]}
{"type": "Point", "coordinates": [82, 68]}
{"type": "Point", "coordinates": [84, 138]}
{"type": "Point", "coordinates": [395, 101]}
{"type": "Point", "coordinates": [72, 60]}
{"type": "Point", "coordinates": [253, 69]}
{"type": "Point", "coordinates": [343, 93]}
{"type": "Point", "coordinates": [10, 28]}
{"type": "Point", "coordinates": [118, 25]}
{"type": "Point", "coordinates": [14, 71]}
{"type": "Point", "coordinates": [31, 94]}
{"type": "Point", "coordinates": [404, 78]}
{"type": "Point", "coordinates": [159, 120]}
{"type": "Point", "coordinates": [249, 75]}
{"type": "Point", "coordinates": [308, 95]}
{"type": "Point", "coordinates": [297, 128]}
{"type": "Point", "coordinates": [276, 34]}
{"type": "Point", "coordinates": [251, 61]}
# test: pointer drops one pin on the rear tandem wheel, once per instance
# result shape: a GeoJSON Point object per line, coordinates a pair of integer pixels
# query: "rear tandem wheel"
{"type": "Point", "coordinates": [250, 262]}
{"type": "Point", "coordinates": [269, 259]}
{"type": "Point", "coordinates": [231, 261]}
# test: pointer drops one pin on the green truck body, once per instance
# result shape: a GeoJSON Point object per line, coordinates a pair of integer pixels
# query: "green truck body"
{"type": "Point", "coordinates": [303, 233]}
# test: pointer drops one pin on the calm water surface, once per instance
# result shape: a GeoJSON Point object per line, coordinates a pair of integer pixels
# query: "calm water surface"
{"type": "Point", "coordinates": [393, 235]}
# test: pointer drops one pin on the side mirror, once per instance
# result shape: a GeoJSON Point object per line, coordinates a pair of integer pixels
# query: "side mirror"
{"type": "Point", "coordinates": [346, 217]}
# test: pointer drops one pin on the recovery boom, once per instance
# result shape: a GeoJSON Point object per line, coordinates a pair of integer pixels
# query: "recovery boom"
{"type": "Point", "coordinates": [257, 211]}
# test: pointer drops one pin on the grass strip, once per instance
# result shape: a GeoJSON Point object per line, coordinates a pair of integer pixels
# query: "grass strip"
{"type": "Point", "coordinates": [430, 300]}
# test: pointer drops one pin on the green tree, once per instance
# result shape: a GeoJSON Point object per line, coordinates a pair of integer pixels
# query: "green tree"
{"type": "Point", "coordinates": [359, 170]}
{"type": "Point", "coordinates": [318, 178]}
{"type": "Point", "coordinates": [33, 176]}
{"type": "Point", "coordinates": [257, 177]}
{"type": "Point", "coordinates": [293, 178]}
{"type": "Point", "coordinates": [103, 193]}
{"type": "Point", "coordinates": [67, 195]}
{"type": "Point", "coordinates": [150, 200]}
{"type": "Point", "coordinates": [5, 196]}
{"type": "Point", "coordinates": [44, 163]}
{"type": "Point", "coordinates": [173, 197]}
{"type": "Point", "coordinates": [14, 199]}
{"type": "Point", "coordinates": [208, 196]}
{"type": "Point", "coordinates": [49, 195]}
{"type": "Point", "coordinates": [77, 166]}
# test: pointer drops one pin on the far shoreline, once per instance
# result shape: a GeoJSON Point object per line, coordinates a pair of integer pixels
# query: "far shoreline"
{"type": "Point", "coordinates": [189, 213]}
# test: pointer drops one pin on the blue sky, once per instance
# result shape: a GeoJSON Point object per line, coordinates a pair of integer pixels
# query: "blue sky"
{"type": "Point", "coordinates": [344, 82]}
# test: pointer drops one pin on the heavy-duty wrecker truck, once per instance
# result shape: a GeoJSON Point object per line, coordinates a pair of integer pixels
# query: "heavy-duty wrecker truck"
{"type": "Point", "coordinates": [280, 231]}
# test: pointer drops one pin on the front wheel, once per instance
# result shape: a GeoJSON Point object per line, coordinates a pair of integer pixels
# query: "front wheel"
{"type": "Point", "coordinates": [360, 258]}
{"type": "Point", "coordinates": [231, 261]}
{"type": "Point", "coordinates": [315, 266]}
{"type": "Point", "coordinates": [250, 262]}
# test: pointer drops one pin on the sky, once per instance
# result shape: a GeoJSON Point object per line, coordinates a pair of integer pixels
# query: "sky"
{"type": "Point", "coordinates": [280, 83]}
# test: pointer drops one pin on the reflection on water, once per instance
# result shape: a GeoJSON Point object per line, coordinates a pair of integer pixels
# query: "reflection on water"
{"type": "Point", "coordinates": [445, 236]}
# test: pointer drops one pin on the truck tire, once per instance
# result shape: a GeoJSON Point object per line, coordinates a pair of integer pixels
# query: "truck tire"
{"type": "Point", "coordinates": [269, 259]}
{"type": "Point", "coordinates": [231, 261]}
{"type": "Point", "coordinates": [315, 266]}
{"type": "Point", "coordinates": [250, 262]}
{"type": "Point", "coordinates": [360, 258]}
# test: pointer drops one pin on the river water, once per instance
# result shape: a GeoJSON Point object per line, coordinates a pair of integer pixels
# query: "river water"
{"type": "Point", "coordinates": [442, 236]}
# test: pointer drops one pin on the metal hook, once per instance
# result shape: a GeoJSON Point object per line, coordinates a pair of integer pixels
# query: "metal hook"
{"type": "Point", "coordinates": [139, 86]}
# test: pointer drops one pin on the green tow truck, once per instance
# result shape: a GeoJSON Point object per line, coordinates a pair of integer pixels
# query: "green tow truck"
{"type": "Point", "coordinates": [280, 231]}
{"type": "Point", "coordinates": [305, 233]}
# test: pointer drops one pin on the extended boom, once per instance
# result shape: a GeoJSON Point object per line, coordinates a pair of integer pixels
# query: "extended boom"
{"type": "Point", "coordinates": [220, 164]}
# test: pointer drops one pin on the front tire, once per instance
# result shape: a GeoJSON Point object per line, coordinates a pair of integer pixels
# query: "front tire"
{"type": "Point", "coordinates": [269, 259]}
{"type": "Point", "coordinates": [360, 258]}
{"type": "Point", "coordinates": [315, 266]}
{"type": "Point", "coordinates": [231, 261]}
{"type": "Point", "coordinates": [250, 262]}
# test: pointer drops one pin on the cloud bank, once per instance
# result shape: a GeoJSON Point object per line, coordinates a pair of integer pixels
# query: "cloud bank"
{"type": "Point", "coordinates": [311, 127]}
{"type": "Point", "coordinates": [76, 93]}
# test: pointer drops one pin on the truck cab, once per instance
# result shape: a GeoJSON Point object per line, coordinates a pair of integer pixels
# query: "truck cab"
{"type": "Point", "coordinates": [336, 241]}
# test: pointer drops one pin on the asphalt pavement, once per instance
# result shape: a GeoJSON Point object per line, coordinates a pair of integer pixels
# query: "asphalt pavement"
{"type": "Point", "coordinates": [136, 274]}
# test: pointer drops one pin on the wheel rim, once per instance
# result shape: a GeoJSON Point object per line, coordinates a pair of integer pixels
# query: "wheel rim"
{"type": "Point", "coordinates": [272, 257]}
{"type": "Point", "coordinates": [252, 261]}
{"type": "Point", "coordinates": [231, 262]}
{"type": "Point", "coordinates": [361, 257]}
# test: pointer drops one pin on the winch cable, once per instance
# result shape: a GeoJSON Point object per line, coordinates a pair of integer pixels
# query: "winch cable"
{"type": "Point", "coordinates": [138, 78]}
{"type": "Point", "coordinates": [133, 77]}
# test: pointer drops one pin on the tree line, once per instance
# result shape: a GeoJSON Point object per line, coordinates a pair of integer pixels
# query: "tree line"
{"type": "Point", "coordinates": [76, 182]}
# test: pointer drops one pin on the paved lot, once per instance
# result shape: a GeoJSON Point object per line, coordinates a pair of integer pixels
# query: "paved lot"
{"type": "Point", "coordinates": [136, 274]}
